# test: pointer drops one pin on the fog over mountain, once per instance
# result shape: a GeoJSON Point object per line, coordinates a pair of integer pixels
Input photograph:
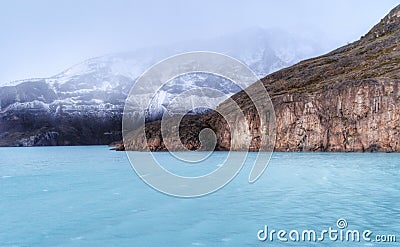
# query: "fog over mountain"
{"type": "Point", "coordinates": [42, 38]}
{"type": "Point", "coordinates": [97, 87]}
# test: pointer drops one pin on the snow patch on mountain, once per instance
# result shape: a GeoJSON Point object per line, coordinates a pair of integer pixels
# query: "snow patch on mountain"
{"type": "Point", "coordinates": [102, 83]}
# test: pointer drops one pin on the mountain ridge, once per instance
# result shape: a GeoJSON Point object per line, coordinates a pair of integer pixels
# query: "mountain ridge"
{"type": "Point", "coordinates": [345, 100]}
{"type": "Point", "coordinates": [95, 91]}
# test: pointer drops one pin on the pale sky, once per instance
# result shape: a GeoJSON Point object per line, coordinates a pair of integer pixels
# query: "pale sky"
{"type": "Point", "coordinates": [40, 38]}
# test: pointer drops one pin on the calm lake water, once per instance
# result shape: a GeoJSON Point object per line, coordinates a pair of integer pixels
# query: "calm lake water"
{"type": "Point", "coordinates": [90, 196]}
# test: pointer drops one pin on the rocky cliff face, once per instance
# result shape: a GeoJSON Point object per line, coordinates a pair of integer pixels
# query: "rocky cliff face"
{"type": "Point", "coordinates": [349, 116]}
{"type": "Point", "coordinates": [346, 100]}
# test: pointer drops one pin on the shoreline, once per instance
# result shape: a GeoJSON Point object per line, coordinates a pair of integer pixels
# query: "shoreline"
{"type": "Point", "coordinates": [119, 149]}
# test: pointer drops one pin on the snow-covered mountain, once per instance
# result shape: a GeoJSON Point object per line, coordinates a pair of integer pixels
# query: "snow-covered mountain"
{"type": "Point", "coordinates": [99, 86]}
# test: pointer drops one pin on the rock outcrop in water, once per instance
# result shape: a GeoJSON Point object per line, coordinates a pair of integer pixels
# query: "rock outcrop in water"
{"type": "Point", "coordinates": [346, 100]}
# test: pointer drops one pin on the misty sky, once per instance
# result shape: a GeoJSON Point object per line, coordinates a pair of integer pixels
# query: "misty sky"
{"type": "Point", "coordinates": [40, 38]}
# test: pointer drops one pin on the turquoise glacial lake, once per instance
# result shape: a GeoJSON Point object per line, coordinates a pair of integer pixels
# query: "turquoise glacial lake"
{"type": "Point", "coordinates": [90, 196]}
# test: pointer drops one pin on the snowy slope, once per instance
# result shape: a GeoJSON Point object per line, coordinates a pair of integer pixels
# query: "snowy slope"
{"type": "Point", "coordinates": [100, 85]}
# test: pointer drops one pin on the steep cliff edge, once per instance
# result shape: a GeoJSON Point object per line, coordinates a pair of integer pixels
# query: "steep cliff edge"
{"type": "Point", "coordinates": [346, 100]}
